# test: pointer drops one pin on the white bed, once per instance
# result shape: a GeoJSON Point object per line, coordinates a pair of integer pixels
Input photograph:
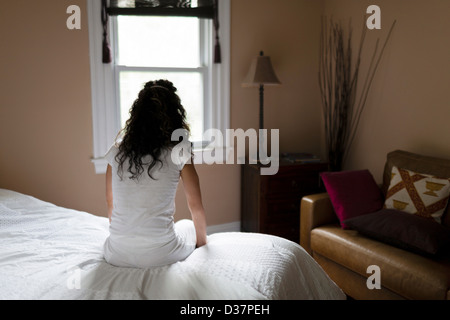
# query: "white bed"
{"type": "Point", "coordinates": [50, 252]}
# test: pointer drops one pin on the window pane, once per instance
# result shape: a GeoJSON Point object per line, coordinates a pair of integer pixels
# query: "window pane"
{"type": "Point", "coordinates": [190, 91]}
{"type": "Point", "coordinates": [158, 41]}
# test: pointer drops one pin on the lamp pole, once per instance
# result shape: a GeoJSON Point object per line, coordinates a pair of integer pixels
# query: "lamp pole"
{"type": "Point", "coordinates": [261, 100]}
{"type": "Point", "coordinates": [261, 106]}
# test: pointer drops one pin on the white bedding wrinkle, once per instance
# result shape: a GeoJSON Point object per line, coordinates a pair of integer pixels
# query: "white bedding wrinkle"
{"type": "Point", "coordinates": [49, 252]}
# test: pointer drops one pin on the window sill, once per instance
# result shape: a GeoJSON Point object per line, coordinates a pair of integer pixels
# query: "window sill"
{"type": "Point", "coordinates": [201, 156]}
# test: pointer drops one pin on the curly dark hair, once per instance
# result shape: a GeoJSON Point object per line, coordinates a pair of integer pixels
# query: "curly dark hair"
{"type": "Point", "coordinates": [154, 116]}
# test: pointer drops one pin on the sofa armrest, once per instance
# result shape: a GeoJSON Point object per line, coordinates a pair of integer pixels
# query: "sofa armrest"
{"type": "Point", "coordinates": [315, 210]}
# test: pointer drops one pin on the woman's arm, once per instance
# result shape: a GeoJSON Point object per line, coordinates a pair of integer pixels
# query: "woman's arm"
{"type": "Point", "coordinates": [191, 184]}
{"type": "Point", "coordinates": [109, 194]}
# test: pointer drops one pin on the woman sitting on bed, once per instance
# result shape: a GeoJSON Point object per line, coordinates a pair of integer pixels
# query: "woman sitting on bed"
{"type": "Point", "coordinates": [141, 182]}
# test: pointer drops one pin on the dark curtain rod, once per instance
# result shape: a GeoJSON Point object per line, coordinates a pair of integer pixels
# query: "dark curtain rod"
{"type": "Point", "coordinates": [205, 13]}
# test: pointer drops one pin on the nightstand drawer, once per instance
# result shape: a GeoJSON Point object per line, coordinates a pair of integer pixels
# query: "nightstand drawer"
{"type": "Point", "coordinates": [284, 230]}
{"type": "Point", "coordinates": [283, 206]}
{"type": "Point", "coordinates": [283, 218]}
{"type": "Point", "coordinates": [299, 184]}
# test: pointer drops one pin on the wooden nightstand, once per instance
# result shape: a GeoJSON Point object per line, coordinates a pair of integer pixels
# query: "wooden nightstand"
{"type": "Point", "coordinates": [271, 204]}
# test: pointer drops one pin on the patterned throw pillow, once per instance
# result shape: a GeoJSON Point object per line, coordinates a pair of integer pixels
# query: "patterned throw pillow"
{"type": "Point", "coordinates": [421, 194]}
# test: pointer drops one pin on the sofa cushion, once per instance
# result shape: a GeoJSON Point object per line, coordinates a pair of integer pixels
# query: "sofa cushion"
{"type": "Point", "coordinates": [418, 163]}
{"type": "Point", "coordinates": [417, 193]}
{"type": "Point", "coordinates": [408, 274]}
{"type": "Point", "coordinates": [352, 193]}
{"type": "Point", "coordinates": [404, 230]}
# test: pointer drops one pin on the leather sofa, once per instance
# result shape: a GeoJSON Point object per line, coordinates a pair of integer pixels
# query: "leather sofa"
{"type": "Point", "coordinates": [346, 254]}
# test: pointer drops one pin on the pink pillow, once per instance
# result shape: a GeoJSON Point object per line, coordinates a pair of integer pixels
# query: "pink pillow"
{"type": "Point", "coordinates": [352, 193]}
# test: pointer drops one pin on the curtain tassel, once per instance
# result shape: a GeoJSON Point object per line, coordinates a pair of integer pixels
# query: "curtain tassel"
{"type": "Point", "coordinates": [217, 49]}
{"type": "Point", "coordinates": [106, 51]}
{"type": "Point", "coordinates": [217, 52]}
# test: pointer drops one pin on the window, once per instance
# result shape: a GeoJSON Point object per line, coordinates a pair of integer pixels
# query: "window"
{"type": "Point", "coordinates": [180, 51]}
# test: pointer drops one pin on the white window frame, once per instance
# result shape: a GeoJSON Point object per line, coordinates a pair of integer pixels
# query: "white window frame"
{"type": "Point", "coordinates": [105, 97]}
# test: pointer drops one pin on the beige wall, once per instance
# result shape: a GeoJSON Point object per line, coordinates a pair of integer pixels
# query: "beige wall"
{"type": "Point", "coordinates": [287, 31]}
{"type": "Point", "coordinates": [45, 110]}
{"type": "Point", "coordinates": [409, 105]}
{"type": "Point", "coordinates": [45, 113]}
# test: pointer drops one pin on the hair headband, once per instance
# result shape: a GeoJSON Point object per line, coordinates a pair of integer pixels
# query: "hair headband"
{"type": "Point", "coordinates": [157, 86]}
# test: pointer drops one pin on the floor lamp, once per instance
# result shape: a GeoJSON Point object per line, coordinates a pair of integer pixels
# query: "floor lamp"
{"type": "Point", "coordinates": [261, 74]}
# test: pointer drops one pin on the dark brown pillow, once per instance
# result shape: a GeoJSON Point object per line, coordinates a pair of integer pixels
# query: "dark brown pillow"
{"type": "Point", "coordinates": [404, 230]}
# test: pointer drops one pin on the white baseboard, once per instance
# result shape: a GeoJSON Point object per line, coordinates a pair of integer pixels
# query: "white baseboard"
{"type": "Point", "coordinates": [227, 227]}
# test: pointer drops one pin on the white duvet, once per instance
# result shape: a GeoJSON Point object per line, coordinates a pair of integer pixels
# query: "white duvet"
{"type": "Point", "coordinates": [49, 252]}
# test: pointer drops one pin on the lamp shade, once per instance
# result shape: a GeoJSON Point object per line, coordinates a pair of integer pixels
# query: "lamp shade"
{"type": "Point", "coordinates": [261, 73]}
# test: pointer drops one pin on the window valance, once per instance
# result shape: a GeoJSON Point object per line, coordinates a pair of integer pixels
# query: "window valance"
{"type": "Point", "coordinates": [205, 9]}
{"type": "Point", "coordinates": [187, 8]}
